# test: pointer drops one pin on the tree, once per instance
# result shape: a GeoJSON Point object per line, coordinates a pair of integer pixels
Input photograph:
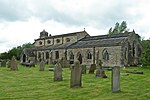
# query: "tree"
{"type": "Point", "coordinates": [145, 57]}
{"type": "Point", "coordinates": [119, 28]}
{"type": "Point", "coordinates": [15, 51]}
{"type": "Point", "coordinates": [123, 27]}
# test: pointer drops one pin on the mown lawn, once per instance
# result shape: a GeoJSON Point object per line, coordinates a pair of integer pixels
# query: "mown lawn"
{"type": "Point", "coordinates": [32, 84]}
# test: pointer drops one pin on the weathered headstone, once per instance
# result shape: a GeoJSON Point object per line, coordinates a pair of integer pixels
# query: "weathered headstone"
{"type": "Point", "coordinates": [42, 66]}
{"type": "Point", "coordinates": [3, 63]}
{"type": "Point", "coordinates": [58, 72]}
{"type": "Point", "coordinates": [8, 63]}
{"type": "Point", "coordinates": [83, 69]}
{"type": "Point", "coordinates": [13, 64]}
{"type": "Point", "coordinates": [100, 72]}
{"type": "Point", "coordinates": [115, 79]}
{"type": "Point", "coordinates": [92, 68]}
{"type": "Point", "coordinates": [76, 75]}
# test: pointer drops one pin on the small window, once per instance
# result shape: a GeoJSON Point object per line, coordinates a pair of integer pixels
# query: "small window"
{"type": "Point", "coordinates": [40, 43]}
{"type": "Point", "coordinates": [39, 55]}
{"type": "Point", "coordinates": [71, 58]}
{"type": "Point", "coordinates": [58, 40]}
{"type": "Point", "coordinates": [47, 55]}
{"type": "Point", "coordinates": [57, 54]}
{"type": "Point", "coordinates": [48, 41]}
{"type": "Point", "coordinates": [89, 55]}
{"type": "Point", "coordinates": [105, 55]}
{"type": "Point", "coordinates": [67, 39]}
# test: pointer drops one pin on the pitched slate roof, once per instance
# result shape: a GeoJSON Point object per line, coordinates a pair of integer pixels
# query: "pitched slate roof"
{"type": "Point", "coordinates": [29, 52]}
{"type": "Point", "coordinates": [100, 41]}
{"type": "Point", "coordinates": [63, 35]}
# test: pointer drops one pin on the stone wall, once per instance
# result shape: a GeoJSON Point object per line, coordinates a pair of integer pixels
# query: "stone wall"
{"type": "Point", "coordinates": [114, 55]}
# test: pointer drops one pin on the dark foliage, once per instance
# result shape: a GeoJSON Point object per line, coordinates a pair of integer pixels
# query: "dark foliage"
{"type": "Point", "coordinates": [16, 51]}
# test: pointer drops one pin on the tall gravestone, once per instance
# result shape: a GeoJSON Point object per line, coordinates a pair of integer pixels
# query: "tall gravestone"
{"type": "Point", "coordinates": [100, 73]}
{"type": "Point", "coordinates": [116, 79]}
{"type": "Point", "coordinates": [42, 66]}
{"type": "Point", "coordinates": [58, 72]}
{"type": "Point", "coordinates": [76, 75]}
{"type": "Point", "coordinates": [92, 68]}
{"type": "Point", "coordinates": [13, 64]}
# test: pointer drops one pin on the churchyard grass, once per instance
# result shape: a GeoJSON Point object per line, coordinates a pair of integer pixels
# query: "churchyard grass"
{"type": "Point", "coordinates": [32, 84]}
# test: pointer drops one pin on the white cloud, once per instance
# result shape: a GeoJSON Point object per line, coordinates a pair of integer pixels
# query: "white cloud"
{"type": "Point", "coordinates": [21, 21]}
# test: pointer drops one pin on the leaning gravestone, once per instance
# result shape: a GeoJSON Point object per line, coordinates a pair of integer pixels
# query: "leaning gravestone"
{"type": "Point", "coordinates": [42, 66]}
{"type": "Point", "coordinates": [83, 69]}
{"type": "Point", "coordinates": [58, 72]}
{"type": "Point", "coordinates": [116, 79]}
{"type": "Point", "coordinates": [92, 68]}
{"type": "Point", "coordinates": [76, 75]}
{"type": "Point", "coordinates": [100, 73]}
{"type": "Point", "coordinates": [13, 64]}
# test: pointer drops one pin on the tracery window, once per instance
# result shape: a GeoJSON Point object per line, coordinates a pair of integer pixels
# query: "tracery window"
{"type": "Point", "coordinates": [105, 54]}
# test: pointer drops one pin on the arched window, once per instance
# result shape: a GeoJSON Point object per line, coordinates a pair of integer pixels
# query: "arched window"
{"type": "Point", "coordinates": [57, 54]}
{"type": "Point", "coordinates": [133, 49]}
{"type": "Point", "coordinates": [39, 55]}
{"type": "Point", "coordinates": [105, 54]}
{"type": "Point", "coordinates": [89, 55]}
{"type": "Point", "coordinates": [71, 57]}
{"type": "Point", "coordinates": [79, 57]}
{"type": "Point", "coordinates": [47, 55]}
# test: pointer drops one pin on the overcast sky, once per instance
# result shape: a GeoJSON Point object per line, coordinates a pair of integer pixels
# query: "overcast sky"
{"type": "Point", "coordinates": [21, 21]}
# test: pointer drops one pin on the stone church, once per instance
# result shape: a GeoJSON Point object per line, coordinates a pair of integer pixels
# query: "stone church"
{"type": "Point", "coordinates": [123, 49]}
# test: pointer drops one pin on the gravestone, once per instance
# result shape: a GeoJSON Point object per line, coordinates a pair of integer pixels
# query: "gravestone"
{"type": "Point", "coordinates": [76, 75]}
{"type": "Point", "coordinates": [3, 63]}
{"type": "Point", "coordinates": [83, 69]}
{"type": "Point", "coordinates": [100, 73]}
{"type": "Point", "coordinates": [42, 66]}
{"type": "Point", "coordinates": [8, 63]}
{"type": "Point", "coordinates": [58, 72]}
{"type": "Point", "coordinates": [115, 79]}
{"type": "Point", "coordinates": [92, 68]}
{"type": "Point", "coordinates": [13, 64]}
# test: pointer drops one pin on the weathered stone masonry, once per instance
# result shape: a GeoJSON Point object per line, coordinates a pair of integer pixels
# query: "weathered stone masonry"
{"type": "Point", "coordinates": [121, 49]}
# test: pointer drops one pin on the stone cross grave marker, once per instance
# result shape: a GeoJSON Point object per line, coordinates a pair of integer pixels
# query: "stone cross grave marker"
{"type": "Point", "coordinates": [92, 68]}
{"type": "Point", "coordinates": [76, 75]}
{"type": "Point", "coordinates": [13, 64]}
{"type": "Point", "coordinates": [115, 79]}
{"type": "Point", "coordinates": [42, 66]}
{"type": "Point", "coordinates": [58, 72]}
{"type": "Point", "coordinates": [100, 73]}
